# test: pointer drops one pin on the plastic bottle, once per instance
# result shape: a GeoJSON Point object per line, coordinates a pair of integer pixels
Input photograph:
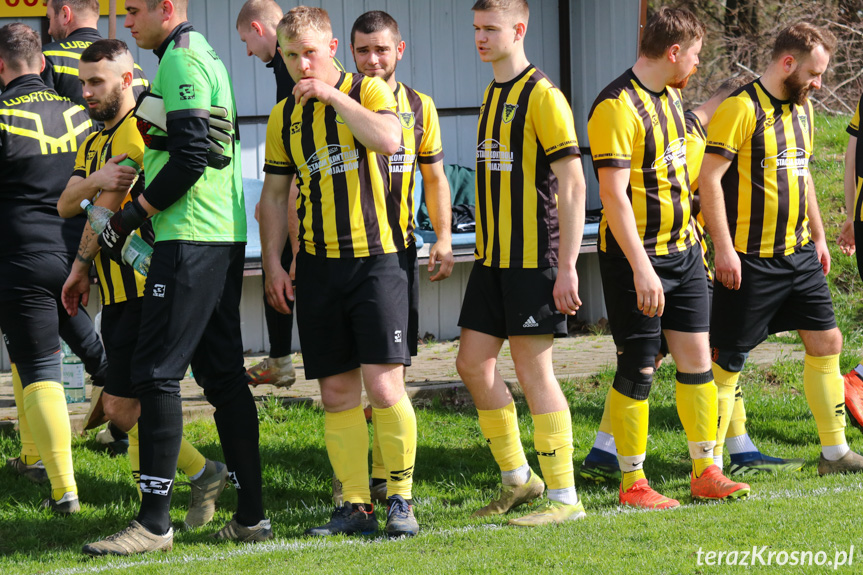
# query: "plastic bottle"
{"type": "Point", "coordinates": [73, 374]}
{"type": "Point", "coordinates": [137, 253]}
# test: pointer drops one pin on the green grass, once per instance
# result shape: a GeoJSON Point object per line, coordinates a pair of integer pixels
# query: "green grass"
{"type": "Point", "coordinates": [456, 474]}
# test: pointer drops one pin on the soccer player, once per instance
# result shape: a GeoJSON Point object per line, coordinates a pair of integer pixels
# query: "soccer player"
{"type": "Point", "coordinates": [771, 255]}
{"type": "Point", "coordinates": [377, 47]}
{"type": "Point", "coordinates": [190, 309]}
{"type": "Point", "coordinates": [351, 265]}
{"type": "Point", "coordinates": [106, 74]}
{"type": "Point", "coordinates": [72, 25]}
{"type": "Point", "coordinates": [36, 249]}
{"type": "Point", "coordinates": [530, 206]}
{"type": "Point", "coordinates": [652, 272]}
{"type": "Point", "coordinates": [601, 465]}
{"type": "Point", "coordinates": [256, 24]}
{"type": "Point", "coordinates": [849, 237]}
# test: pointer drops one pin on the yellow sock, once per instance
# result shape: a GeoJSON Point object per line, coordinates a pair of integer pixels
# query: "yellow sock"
{"type": "Point", "coordinates": [29, 453]}
{"type": "Point", "coordinates": [379, 471]}
{"type": "Point", "coordinates": [726, 384]}
{"type": "Point", "coordinates": [396, 429]}
{"type": "Point", "coordinates": [825, 392]}
{"type": "Point", "coordinates": [696, 407]}
{"type": "Point", "coordinates": [135, 457]}
{"type": "Point", "coordinates": [500, 429]}
{"type": "Point", "coordinates": [629, 420]}
{"type": "Point", "coordinates": [45, 404]}
{"type": "Point", "coordinates": [737, 426]}
{"type": "Point", "coordinates": [347, 438]}
{"type": "Point", "coordinates": [552, 438]}
{"type": "Point", "coordinates": [605, 422]}
{"type": "Point", "coordinates": [190, 461]}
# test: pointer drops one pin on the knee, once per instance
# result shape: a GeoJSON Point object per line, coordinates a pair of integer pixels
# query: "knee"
{"type": "Point", "coordinates": [730, 361]}
{"type": "Point", "coordinates": [40, 369]}
{"type": "Point", "coordinates": [469, 370]}
{"type": "Point", "coordinates": [636, 361]}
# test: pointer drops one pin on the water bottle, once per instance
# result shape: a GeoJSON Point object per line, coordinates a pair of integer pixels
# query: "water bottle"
{"type": "Point", "coordinates": [73, 374]}
{"type": "Point", "coordinates": [137, 253]}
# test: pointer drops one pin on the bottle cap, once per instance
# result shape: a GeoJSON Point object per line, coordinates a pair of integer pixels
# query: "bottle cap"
{"type": "Point", "coordinates": [84, 203]}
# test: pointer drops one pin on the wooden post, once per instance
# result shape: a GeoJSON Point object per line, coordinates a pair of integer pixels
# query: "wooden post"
{"type": "Point", "coordinates": [112, 19]}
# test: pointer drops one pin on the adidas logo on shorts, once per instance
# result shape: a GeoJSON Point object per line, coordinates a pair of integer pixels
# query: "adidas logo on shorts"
{"type": "Point", "coordinates": [530, 322]}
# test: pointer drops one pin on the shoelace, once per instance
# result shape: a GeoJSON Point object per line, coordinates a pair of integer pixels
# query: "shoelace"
{"type": "Point", "coordinates": [398, 507]}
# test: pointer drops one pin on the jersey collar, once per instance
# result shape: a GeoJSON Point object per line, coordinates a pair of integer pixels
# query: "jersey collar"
{"type": "Point", "coordinates": [180, 29]}
{"type": "Point", "coordinates": [26, 84]}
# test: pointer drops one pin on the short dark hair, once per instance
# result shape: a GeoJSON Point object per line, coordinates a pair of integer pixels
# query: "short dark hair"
{"type": "Point", "coordinates": [376, 21]}
{"type": "Point", "coordinates": [20, 47]}
{"type": "Point", "coordinates": [102, 49]}
{"type": "Point", "coordinates": [800, 39]}
{"type": "Point", "coordinates": [669, 26]}
{"type": "Point", "coordinates": [91, 6]}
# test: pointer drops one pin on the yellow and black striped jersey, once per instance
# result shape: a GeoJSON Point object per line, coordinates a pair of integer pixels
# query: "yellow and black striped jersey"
{"type": "Point", "coordinates": [342, 207]}
{"type": "Point", "coordinates": [117, 283]}
{"type": "Point", "coordinates": [696, 141]}
{"type": "Point", "coordinates": [421, 143]}
{"type": "Point", "coordinates": [854, 130]}
{"type": "Point", "coordinates": [631, 127]}
{"type": "Point", "coordinates": [61, 65]}
{"type": "Point", "coordinates": [524, 125]}
{"type": "Point", "coordinates": [40, 133]}
{"type": "Point", "coordinates": [769, 143]}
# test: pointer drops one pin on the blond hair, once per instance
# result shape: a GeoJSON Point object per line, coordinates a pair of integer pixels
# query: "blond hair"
{"type": "Point", "coordinates": [302, 20]}
{"type": "Point", "coordinates": [266, 12]}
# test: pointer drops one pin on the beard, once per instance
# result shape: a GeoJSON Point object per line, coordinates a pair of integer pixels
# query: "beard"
{"type": "Point", "coordinates": [110, 108]}
{"type": "Point", "coordinates": [797, 90]}
{"type": "Point", "coordinates": [680, 83]}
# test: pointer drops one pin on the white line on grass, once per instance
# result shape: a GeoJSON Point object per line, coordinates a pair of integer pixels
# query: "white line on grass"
{"type": "Point", "coordinates": [116, 565]}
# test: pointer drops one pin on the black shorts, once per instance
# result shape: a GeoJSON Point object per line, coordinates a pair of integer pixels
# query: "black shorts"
{"type": "Point", "coordinates": [191, 315]}
{"type": "Point", "coordinates": [684, 283]}
{"type": "Point", "coordinates": [413, 299]}
{"type": "Point", "coordinates": [503, 302]}
{"type": "Point", "coordinates": [121, 323]}
{"type": "Point", "coordinates": [776, 294]}
{"type": "Point", "coordinates": [351, 311]}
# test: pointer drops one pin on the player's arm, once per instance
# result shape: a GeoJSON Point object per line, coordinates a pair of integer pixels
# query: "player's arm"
{"type": "Point", "coordinates": [438, 199]}
{"type": "Point", "coordinates": [816, 227]}
{"type": "Point", "coordinates": [275, 207]}
{"type": "Point", "coordinates": [726, 261]}
{"type": "Point", "coordinates": [613, 182]}
{"type": "Point", "coordinates": [111, 178]}
{"type": "Point", "coordinates": [846, 239]}
{"type": "Point", "coordinates": [571, 191]}
{"type": "Point", "coordinates": [378, 131]}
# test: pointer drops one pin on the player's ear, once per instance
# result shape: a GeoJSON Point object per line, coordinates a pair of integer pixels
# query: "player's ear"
{"type": "Point", "coordinates": [520, 31]}
{"type": "Point", "coordinates": [334, 45]}
{"type": "Point", "coordinates": [128, 78]}
{"type": "Point", "coordinates": [400, 50]}
{"type": "Point", "coordinates": [259, 30]}
{"type": "Point", "coordinates": [674, 53]}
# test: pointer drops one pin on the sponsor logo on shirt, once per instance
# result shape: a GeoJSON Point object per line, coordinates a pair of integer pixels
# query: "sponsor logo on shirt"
{"type": "Point", "coordinates": [333, 159]}
{"type": "Point", "coordinates": [402, 161]}
{"type": "Point", "coordinates": [676, 149]}
{"type": "Point", "coordinates": [793, 159]}
{"type": "Point", "coordinates": [187, 92]}
{"type": "Point", "coordinates": [496, 155]}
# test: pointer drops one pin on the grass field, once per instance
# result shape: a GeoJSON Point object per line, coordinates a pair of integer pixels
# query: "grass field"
{"type": "Point", "coordinates": [786, 514]}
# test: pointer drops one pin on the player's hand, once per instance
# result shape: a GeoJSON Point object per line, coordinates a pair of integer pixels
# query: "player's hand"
{"type": "Point", "coordinates": [846, 240]}
{"type": "Point", "coordinates": [279, 290]}
{"type": "Point", "coordinates": [114, 177]}
{"type": "Point", "coordinates": [649, 293]}
{"type": "Point", "coordinates": [312, 88]}
{"type": "Point", "coordinates": [728, 269]}
{"type": "Point", "coordinates": [113, 238]}
{"type": "Point", "coordinates": [823, 254]}
{"type": "Point", "coordinates": [76, 291]}
{"type": "Point", "coordinates": [441, 253]}
{"type": "Point", "coordinates": [565, 291]}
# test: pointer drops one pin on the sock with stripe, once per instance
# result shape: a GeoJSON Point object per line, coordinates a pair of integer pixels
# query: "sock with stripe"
{"type": "Point", "coordinates": [552, 438]}
{"type": "Point", "coordinates": [160, 430]}
{"type": "Point", "coordinates": [47, 415]}
{"type": "Point", "coordinates": [629, 420]}
{"type": "Point", "coordinates": [346, 435]}
{"type": "Point", "coordinates": [697, 409]}
{"type": "Point", "coordinates": [500, 429]}
{"type": "Point", "coordinates": [135, 457]}
{"type": "Point", "coordinates": [825, 393]}
{"type": "Point", "coordinates": [396, 427]}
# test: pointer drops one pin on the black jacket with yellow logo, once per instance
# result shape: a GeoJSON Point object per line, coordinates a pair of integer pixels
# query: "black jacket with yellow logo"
{"type": "Point", "coordinates": [40, 133]}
